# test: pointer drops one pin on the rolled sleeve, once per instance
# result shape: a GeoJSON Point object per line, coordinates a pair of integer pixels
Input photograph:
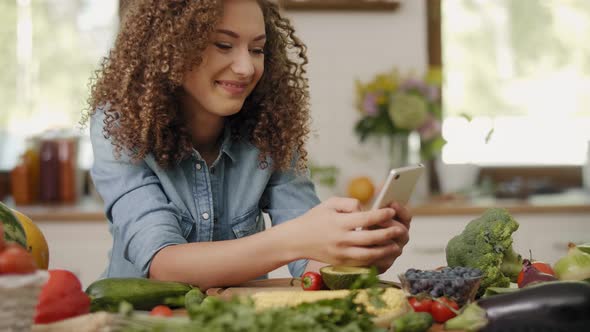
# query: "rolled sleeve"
{"type": "Point", "coordinates": [144, 219]}
{"type": "Point", "coordinates": [288, 196]}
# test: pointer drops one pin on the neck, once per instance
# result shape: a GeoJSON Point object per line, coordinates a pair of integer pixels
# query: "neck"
{"type": "Point", "coordinates": [206, 128]}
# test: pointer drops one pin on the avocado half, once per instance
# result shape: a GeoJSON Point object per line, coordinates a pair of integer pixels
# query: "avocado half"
{"type": "Point", "coordinates": [341, 277]}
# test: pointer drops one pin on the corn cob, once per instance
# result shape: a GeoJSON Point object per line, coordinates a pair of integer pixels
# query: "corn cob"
{"type": "Point", "coordinates": [395, 300]}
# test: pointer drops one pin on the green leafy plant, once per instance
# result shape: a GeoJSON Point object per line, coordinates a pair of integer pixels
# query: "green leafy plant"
{"type": "Point", "coordinates": [324, 175]}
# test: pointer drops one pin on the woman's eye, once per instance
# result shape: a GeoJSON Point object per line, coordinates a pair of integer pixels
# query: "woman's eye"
{"type": "Point", "coordinates": [223, 46]}
{"type": "Point", "coordinates": [257, 50]}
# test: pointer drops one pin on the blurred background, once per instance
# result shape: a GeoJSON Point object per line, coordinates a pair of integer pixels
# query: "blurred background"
{"type": "Point", "coordinates": [492, 96]}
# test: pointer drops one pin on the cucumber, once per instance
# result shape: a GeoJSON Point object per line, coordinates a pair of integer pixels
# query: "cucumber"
{"type": "Point", "coordinates": [142, 293]}
{"type": "Point", "coordinates": [13, 230]}
{"type": "Point", "coordinates": [341, 277]}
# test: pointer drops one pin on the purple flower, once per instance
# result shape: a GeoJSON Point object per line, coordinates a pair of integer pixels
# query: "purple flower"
{"type": "Point", "coordinates": [430, 129]}
{"type": "Point", "coordinates": [413, 84]}
{"type": "Point", "coordinates": [430, 92]}
{"type": "Point", "coordinates": [433, 93]}
{"type": "Point", "coordinates": [370, 104]}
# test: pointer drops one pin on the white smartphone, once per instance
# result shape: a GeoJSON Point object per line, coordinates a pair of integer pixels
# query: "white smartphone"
{"type": "Point", "coordinates": [398, 186]}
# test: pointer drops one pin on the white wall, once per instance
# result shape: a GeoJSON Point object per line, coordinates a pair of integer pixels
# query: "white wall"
{"type": "Point", "coordinates": [343, 46]}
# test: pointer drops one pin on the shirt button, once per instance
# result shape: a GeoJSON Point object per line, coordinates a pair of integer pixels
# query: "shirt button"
{"type": "Point", "coordinates": [205, 216]}
{"type": "Point", "coordinates": [199, 167]}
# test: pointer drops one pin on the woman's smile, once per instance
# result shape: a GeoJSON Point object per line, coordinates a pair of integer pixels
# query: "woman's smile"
{"type": "Point", "coordinates": [233, 88]}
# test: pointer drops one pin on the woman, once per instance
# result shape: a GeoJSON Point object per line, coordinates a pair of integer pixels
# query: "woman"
{"type": "Point", "coordinates": [199, 117]}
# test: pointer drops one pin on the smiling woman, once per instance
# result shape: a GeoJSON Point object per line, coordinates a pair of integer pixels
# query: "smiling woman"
{"type": "Point", "coordinates": [198, 121]}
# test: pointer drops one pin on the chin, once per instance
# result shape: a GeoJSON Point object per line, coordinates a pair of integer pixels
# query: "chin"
{"type": "Point", "coordinates": [227, 110]}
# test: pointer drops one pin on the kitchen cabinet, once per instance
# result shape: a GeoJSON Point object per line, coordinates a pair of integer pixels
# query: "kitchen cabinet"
{"type": "Point", "coordinates": [79, 246]}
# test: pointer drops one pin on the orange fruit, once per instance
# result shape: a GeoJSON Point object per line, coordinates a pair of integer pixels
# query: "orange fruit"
{"type": "Point", "coordinates": [361, 188]}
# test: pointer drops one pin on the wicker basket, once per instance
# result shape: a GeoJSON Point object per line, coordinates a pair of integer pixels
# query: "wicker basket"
{"type": "Point", "coordinates": [18, 298]}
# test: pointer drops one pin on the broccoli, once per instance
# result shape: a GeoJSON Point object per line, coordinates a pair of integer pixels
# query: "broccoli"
{"type": "Point", "coordinates": [486, 244]}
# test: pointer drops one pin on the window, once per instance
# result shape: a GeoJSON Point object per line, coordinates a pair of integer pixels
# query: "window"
{"type": "Point", "coordinates": [50, 50]}
{"type": "Point", "coordinates": [521, 68]}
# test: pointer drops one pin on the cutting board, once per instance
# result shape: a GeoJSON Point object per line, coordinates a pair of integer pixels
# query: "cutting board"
{"type": "Point", "coordinates": [265, 285]}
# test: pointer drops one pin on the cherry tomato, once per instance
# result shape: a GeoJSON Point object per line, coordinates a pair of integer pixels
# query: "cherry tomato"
{"type": "Point", "coordinates": [541, 266]}
{"type": "Point", "coordinates": [421, 305]}
{"type": "Point", "coordinates": [311, 281]}
{"type": "Point", "coordinates": [16, 260]}
{"type": "Point", "coordinates": [441, 311]}
{"type": "Point", "coordinates": [161, 310]}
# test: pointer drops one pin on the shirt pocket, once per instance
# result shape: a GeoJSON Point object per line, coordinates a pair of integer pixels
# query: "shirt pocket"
{"type": "Point", "coordinates": [248, 223]}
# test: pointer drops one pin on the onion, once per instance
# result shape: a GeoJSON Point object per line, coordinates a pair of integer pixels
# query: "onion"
{"type": "Point", "coordinates": [532, 275]}
{"type": "Point", "coordinates": [573, 266]}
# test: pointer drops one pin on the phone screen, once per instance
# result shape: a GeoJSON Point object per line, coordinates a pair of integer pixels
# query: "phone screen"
{"type": "Point", "coordinates": [398, 186]}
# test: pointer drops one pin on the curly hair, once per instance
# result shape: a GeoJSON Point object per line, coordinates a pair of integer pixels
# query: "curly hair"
{"type": "Point", "coordinates": [140, 81]}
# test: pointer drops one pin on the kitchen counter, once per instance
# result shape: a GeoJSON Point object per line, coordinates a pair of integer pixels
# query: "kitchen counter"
{"type": "Point", "coordinates": [68, 228]}
{"type": "Point", "coordinates": [90, 209]}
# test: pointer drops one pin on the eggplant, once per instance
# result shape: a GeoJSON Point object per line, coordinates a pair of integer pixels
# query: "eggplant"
{"type": "Point", "coordinates": [553, 306]}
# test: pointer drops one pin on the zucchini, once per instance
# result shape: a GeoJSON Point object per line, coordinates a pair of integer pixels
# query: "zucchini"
{"type": "Point", "coordinates": [142, 293]}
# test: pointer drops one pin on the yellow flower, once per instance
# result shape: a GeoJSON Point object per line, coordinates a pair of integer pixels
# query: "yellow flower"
{"type": "Point", "coordinates": [434, 76]}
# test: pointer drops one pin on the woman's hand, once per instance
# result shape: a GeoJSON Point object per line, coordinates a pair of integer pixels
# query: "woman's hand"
{"type": "Point", "coordinates": [401, 220]}
{"type": "Point", "coordinates": [328, 233]}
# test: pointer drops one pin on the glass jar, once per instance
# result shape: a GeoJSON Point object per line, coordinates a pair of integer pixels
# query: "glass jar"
{"type": "Point", "coordinates": [32, 163]}
{"type": "Point", "coordinates": [67, 169]}
{"type": "Point", "coordinates": [20, 187]}
{"type": "Point", "coordinates": [49, 171]}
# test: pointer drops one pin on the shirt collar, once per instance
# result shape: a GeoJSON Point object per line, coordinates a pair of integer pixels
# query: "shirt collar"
{"type": "Point", "coordinates": [226, 145]}
{"type": "Point", "coordinates": [227, 142]}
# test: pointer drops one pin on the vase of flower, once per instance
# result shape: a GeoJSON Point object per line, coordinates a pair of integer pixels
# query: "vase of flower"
{"type": "Point", "coordinates": [403, 149]}
{"type": "Point", "coordinates": [406, 111]}
{"type": "Point", "coordinates": [399, 150]}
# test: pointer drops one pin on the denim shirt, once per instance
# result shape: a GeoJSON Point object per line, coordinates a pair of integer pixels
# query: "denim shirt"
{"type": "Point", "coordinates": [149, 208]}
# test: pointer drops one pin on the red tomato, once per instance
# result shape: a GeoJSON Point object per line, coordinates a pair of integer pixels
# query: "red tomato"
{"type": "Point", "coordinates": [441, 311]}
{"type": "Point", "coordinates": [421, 305]}
{"type": "Point", "coordinates": [16, 260]}
{"type": "Point", "coordinates": [311, 281]}
{"type": "Point", "coordinates": [542, 267]}
{"type": "Point", "coordinates": [161, 310]}
{"type": "Point", "coordinates": [61, 283]}
{"type": "Point", "coordinates": [61, 297]}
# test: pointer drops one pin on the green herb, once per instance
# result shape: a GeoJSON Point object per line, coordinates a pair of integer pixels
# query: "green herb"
{"type": "Point", "coordinates": [239, 315]}
{"type": "Point", "coordinates": [370, 281]}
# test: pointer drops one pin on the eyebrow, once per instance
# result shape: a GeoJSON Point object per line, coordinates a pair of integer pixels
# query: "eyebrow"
{"type": "Point", "coordinates": [235, 35]}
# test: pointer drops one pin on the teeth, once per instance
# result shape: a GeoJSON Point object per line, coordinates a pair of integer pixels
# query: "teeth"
{"type": "Point", "coordinates": [231, 85]}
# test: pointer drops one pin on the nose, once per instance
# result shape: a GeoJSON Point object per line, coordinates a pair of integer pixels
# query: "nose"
{"type": "Point", "coordinates": [243, 64]}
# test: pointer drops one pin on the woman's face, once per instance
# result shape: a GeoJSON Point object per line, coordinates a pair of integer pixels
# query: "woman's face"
{"type": "Point", "coordinates": [232, 64]}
